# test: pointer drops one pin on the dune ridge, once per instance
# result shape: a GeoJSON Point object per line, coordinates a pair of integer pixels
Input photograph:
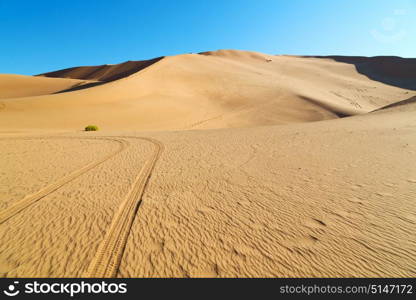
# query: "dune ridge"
{"type": "Point", "coordinates": [393, 70]}
{"type": "Point", "coordinates": [16, 86]}
{"type": "Point", "coordinates": [407, 103]}
{"type": "Point", "coordinates": [104, 73]}
{"type": "Point", "coordinates": [217, 89]}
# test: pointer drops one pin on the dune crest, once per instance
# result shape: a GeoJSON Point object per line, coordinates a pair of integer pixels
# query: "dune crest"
{"type": "Point", "coordinates": [103, 73]}
{"type": "Point", "coordinates": [392, 70]}
{"type": "Point", "coordinates": [216, 89]}
{"type": "Point", "coordinates": [16, 86]}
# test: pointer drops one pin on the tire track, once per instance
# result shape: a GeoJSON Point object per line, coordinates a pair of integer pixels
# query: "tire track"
{"type": "Point", "coordinates": [33, 198]}
{"type": "Point", "coordinates": [107, 260]}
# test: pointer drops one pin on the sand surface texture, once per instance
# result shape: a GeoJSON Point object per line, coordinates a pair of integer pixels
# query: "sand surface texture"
{"type": "Point", "coordinates": [305, 167]}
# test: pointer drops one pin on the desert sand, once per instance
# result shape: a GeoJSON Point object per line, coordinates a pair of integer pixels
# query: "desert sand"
{"type": "Point", "coordinates": [219, 164]}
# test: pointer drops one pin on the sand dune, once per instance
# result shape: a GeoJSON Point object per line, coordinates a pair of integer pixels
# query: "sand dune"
{"type": "Point", "coordinates": [391, 70]}
{"type": "Point", "coordinates": [404, 105]}
{"type": "Point", "coordinates": [331, 198]}
{"type": "Point", "coordinates": [218, 89]}
{"type": "Point", "coordinates": [280, 196]}
{"type": "Point", "coordinates": [15, 86]}
{"type": "Point", "coordinates": [103, 73]}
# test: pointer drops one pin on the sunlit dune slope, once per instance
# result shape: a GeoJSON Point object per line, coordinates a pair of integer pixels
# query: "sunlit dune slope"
{"type": "Point", "coordinates": [392, 70]}
{"type": "Point", "coordinates": [14, 86]}
{"type": "Point", "coordinates": [220, 89]}
{"type": "Point", "coordinates": [103, 72]}
{"type": "Point", "coordinates": [404, 105]}
{"type": "Point", "coordinates": [322, 199]}
{"type": "Point", "coordinates": [143, 198]}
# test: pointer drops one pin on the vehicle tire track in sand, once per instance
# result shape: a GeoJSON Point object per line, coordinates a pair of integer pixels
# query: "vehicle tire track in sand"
{"type": "Point", "coordinates": [106, 262]}
{"type": "Point", "coordinates": [33, 198]}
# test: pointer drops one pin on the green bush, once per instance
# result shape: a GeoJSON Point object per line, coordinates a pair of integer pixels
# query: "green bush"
{"type": "Point", "coordinates": [91, 128]}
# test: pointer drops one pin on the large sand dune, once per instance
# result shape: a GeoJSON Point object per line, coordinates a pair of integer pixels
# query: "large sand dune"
{"type": "Point", "coordinates": [15, 86]}
{"type": "Point", "coordinates": [391, 70]}
{"type": "Point", "coordinates": [278, 196]}
{"type": "Point", "coordinates": [221, 89]}
{"type": "Point", "coordinates": [103, 73]}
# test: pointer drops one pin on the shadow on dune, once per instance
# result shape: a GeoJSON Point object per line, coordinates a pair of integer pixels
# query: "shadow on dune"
{"type": "Point", "coordinates": [396, 104]}
{"type": "Point", "coordinates": [391, 70]}
{"type": "Point", "coordinates": [103, 73]}
{"type": "Point", "coordinates": [81, 87]}
{"type": "Point", "coordinates": [336, 111]}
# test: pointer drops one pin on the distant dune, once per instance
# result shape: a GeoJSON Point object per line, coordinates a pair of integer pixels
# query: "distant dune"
{"type": "Point", "coordinates": [404, 105]}
{"type": "Point", "coordinates": [391, 70]}
{"type": "Point", "coordinates": [305, 168]}
{"type": "Point", "coordinates": [15, 86]}
{"type": "Point", "coordinates": [218, 89]}
{"type": "Point", "coordinates": [104, 73]}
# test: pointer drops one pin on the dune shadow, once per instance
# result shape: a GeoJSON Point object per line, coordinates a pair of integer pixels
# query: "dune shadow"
{"type": "Point", "coordinates": [80, 87]}
{"type": "Point", "coordinates": [399, 103]}
{"type": "Point", "coordinates": [130, 67]}
{"type": "Point", "coordinates": [102, 73]}
{"type": "Point", "coordinates": [392, 70]}
{"type": "Point", "coordinates": [339, 113]}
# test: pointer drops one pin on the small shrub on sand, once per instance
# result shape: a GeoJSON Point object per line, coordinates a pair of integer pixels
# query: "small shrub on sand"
{"type": "Point", "coordinates": [91, 128]}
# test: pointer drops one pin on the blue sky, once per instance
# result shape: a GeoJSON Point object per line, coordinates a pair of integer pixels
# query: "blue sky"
{"type": "Point", "coordinates": [45, 35]}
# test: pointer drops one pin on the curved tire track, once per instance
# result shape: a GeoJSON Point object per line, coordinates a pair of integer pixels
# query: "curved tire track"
{"type": "Point", "coordinates": [33, 198]}
{"type": "Point", "coordinates": [107, 260]}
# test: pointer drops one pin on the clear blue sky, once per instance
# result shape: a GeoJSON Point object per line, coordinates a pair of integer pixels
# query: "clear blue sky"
{"type": "Point", "coordinates": [45, 35]}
